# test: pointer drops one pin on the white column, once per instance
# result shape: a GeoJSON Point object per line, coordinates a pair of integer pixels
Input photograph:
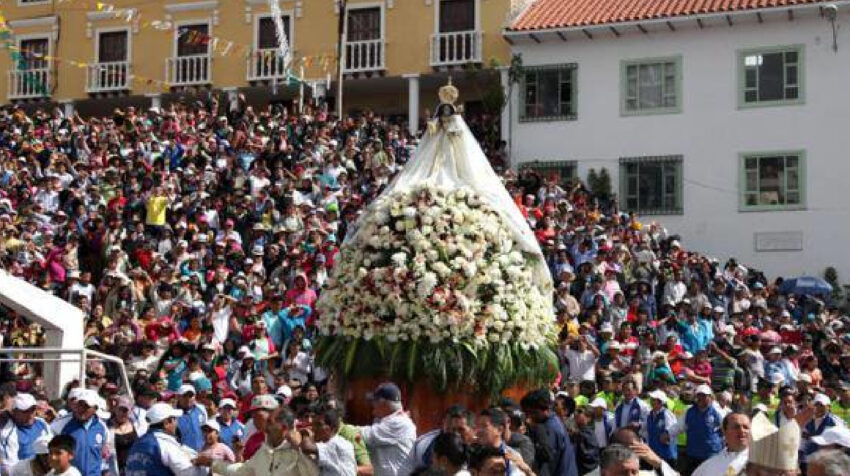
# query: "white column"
{"type": "Point", "coordinates": [67, 107]}
{"type": "Point", "coordinates": [412, 102]}
{"type": "Point", "coordinates": [506, 111]}
{"type": "Point", "coordinates": [156, 100]}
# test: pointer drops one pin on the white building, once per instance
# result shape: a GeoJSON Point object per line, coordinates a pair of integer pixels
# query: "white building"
{"type": "Point", "coordinates": [728, 125]}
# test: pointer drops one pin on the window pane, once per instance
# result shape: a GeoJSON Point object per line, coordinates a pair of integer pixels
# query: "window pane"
{"type": "Point", "coordinates": [752, 181]}
{"type": "Point", "coordinates": [457, 15]}
{"type": "Point", "coordinates": [548, 93]}
{"type": "Point", "coordinates": [751, 96]}
{"type": "Point", "coordinates": [792, 161]}
{"type": "Point", "coordinates": [631, 82]}
{"type": "Point", "coordinates": [791, 75]}
{"type": "Point", "coordinates": [364, 24]}
{"type": "Point", "coordinates": [190, 44]}
{"type": "Point", "coordinates": [112, 46]}
{"type": "Point", "coordinates": [793, 198]}
{"type": "Point", "coordinates": [750, 77]}
{"type": "Point", "coordinates": [791, 92]}
{"type": "Point", "coordinates": [649, 80]}
{"type": "Point", "coordinates": [792, 179]}
{"type": "Point", "coordinates": [791, 56]}
{"type": "Point", "coordinates": [771, 77]}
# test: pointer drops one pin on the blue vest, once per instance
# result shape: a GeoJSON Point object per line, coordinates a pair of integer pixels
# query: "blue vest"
{"type": "Point", "coordinates": [704, 432]}
{"type": "Point", "coordinates": [144, 458]}
{"type": "Point", "coordinates": [828, 421]}
{"type": "Point", "coordinates": [27, 436]}
{"type": "Point", "coordinates": [655, 428]}
{"type": "Point", "coordinates": [235, 428]}
{"type": "Point", "coordinates": [88, 453]}
{"type": "Point", "coordinates": [634, 413]}
{"type": "Point", "coordinates": [190, 428]}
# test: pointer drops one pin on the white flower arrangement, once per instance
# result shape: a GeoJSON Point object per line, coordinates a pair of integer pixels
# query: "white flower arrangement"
{"type": "Point", "coordinates": [439, 265]}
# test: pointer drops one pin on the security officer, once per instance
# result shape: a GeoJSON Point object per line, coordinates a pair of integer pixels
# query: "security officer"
{"type": "Point", "coordinates": [18, 435]}
{"type": "Point", "coordinates": [88, 430]}
{"type": "Point", "coordinates": [158, 452]}
{"type": "Point", "coordinates": [660, 422]}
{"type": "Point", "coordinates": [703, 423]}
{"type": "Point", "coordinates": [232, 430]}
{"type": "Point", "coordinates": [193, 418]}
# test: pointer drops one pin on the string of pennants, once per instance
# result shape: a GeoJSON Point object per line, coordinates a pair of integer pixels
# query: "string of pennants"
{"type": "Point", "coordinates": [217, 45]}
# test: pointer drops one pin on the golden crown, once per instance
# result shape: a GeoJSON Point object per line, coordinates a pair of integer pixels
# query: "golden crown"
{"type": "Point", "coordinates": [448, 94]}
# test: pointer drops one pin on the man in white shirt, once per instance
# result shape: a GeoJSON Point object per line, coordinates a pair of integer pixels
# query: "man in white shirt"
{"type": "Point", "coordinates": [733, 458]}
{"type": "Point", "coordinates": [581, 358]}
{"type": "Point", "coordinates": [390, 439]}
{"type": "Point", "coordinates": [335, 453]}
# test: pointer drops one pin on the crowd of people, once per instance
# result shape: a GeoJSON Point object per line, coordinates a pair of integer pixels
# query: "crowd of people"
{"type": "Point", "coordinates": [196, 240]}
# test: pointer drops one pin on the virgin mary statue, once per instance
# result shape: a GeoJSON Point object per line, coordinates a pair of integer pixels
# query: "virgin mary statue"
{"type": "Point", "coordinates": [449, 157]}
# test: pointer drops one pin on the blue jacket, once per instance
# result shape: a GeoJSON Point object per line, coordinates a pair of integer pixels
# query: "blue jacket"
{"type": "Point", "coordinates": [235, 428]}
{"type": "Point", "coordinates": [658, 425]}
{"type": "Point", "coordinates": [705, 437]}
{"type": "Point", "coordinates": [91, 439]}
{"type": "Point", "coordinates": [564, 457]}
{"type": "Point", "coordinates": [145, 459]}
{"type": "Point", "coordinates": [190, 427]}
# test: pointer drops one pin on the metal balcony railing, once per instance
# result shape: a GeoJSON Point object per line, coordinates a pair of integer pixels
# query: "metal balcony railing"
{"type": "Point", "coordinates": [29, 83]}
{"type": "Point", "coordinates": [108, 77]}
{"type": "Point", "coordinates": [188, 70]}
{"type": "Point", "coordinates": [364, 56]}
{"type": "Point", "coordinates": [457, 47]}
{"type": "Point", "coordinates": [266, 64]}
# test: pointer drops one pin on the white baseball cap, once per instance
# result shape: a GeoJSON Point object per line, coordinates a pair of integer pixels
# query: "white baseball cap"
{"type": "Point", "coordinates": [92, 399]}
{"type": "Point", "coordinates": [75, 393]}
{"type": "Point", "coordinates": [40, 446]}
{"type": "Point", "coordinates": [658, 395]}
{"type": "Point", "coordinates": [227, 402]}
{"type": "Point", "coordinates": [187, 388]}
{"type": "Point", "coordinates": [598, 402]}
{"type": "Point", "coordinates": [284, 391]}
{"type": "Point", "coordinates": [704, 390]}
{"type": "Point", "coordinates": [25, 401]}
{"type": "Point", "coordinates": [822, 399]}
{"type": "Point", "coordinates": [162, 411]}
{"type": "Point", "coordinates": [212, 425]}
{"type": "Point", "coordinates": [834, 435]}
{"type": "Point", "coordinates": [263, 402]}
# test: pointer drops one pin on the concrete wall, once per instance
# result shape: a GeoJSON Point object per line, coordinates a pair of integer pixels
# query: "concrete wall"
{"type": "Point", "coordinates": [711, 131]}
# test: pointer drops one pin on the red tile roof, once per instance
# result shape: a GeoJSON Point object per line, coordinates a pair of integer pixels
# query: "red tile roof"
{"type": "Point", "coordinates": [549, 14]}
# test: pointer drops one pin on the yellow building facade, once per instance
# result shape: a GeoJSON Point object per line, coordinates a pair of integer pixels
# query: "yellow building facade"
{"type": "Point", "coordinates": [87, 54]}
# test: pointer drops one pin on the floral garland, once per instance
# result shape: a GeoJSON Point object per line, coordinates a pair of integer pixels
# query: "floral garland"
{"type": "Point", "coordinates": [438, 269]}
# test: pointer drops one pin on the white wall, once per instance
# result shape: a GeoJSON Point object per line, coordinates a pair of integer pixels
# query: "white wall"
{"type": "Point", "coordinates": [710, 132]}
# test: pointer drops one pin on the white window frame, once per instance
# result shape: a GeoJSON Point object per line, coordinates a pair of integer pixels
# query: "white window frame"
{"type": "Point", "coordinates": [126, 29]}
{"type": "Point", "coordinates": [179, 24]}
{"type": "Point", "coordinates": [34, 36]}
{"type": "Point", "coordinates": [290, 35]}
{"type": "Point", "coordinates": [437, 15]}
{"type": "Point", "coordinates": [361, 6]}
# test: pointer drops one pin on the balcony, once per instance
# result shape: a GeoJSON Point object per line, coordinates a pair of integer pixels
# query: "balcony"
{"type": "Point", "coordinates": [108, 77]}
{"type": "Point", "coordinates": [455, 48]}
{"type": "Point", "coordinates": [266, 64]}
{"type": "Point", "coordinates": [29, 83]}
{"type": "Point", "coordinates": [364, 56]}
{"type": "Point", "coordinates": [189, 70]}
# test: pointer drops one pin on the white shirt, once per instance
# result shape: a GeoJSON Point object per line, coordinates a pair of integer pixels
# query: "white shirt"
{"type": "Point", "coordinates": [71, 471]}
{"type": "Point", "coordinates": [336, 457]}
{"type": "Point", "coordinates": [725, 462]}
{"type": "Point", "coordinates": [221, 323]}
{"type": "Point", "coordinates": [389, 441]}
{"type": "Point", "coordinates": [22, 468]}
{"type": "Point", "coordinates": [582, 364]}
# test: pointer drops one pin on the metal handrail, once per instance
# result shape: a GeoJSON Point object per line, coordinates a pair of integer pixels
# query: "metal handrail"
{"type": "Point", "coordinates": [84, 356]}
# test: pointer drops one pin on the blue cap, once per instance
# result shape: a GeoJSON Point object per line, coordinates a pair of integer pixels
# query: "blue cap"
{"type": "Point", "coordinates": [386, 391]}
